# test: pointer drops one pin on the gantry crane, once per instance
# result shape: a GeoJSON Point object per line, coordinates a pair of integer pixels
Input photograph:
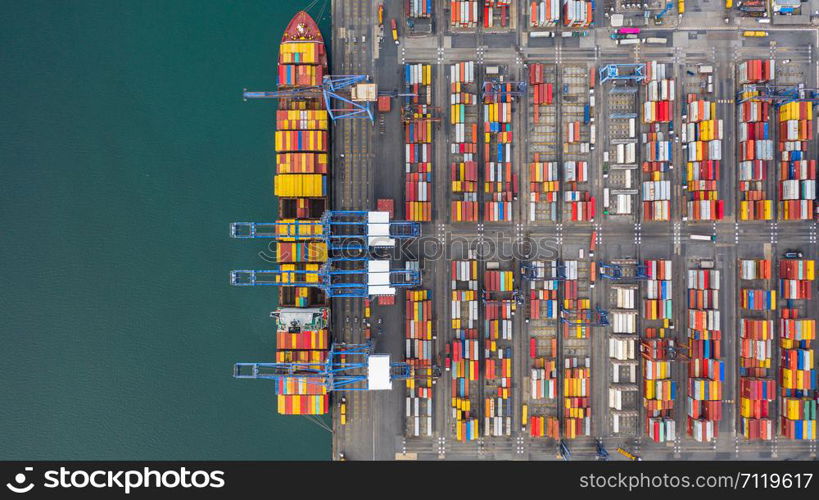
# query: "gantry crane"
{"type": "Point", "coordinates": [623, 72]}
{"type": "Point", "coordinates": [349, 367]}
{"type": "Point", "coordinates": [496, 88]}
{"type": "Point", "coordinates": [778, 94]}
{"type": "Point", "coordinates": [614, 271]}
{"type": "Point", "coordinates": [585, 317]}
{"type": "Point", "coordinates": [342, 277]}
{"type": "Point", "coordinates": [345, 96]}
{"type": "Point", "coordinates": [339, 229]}
{"type": "Point", "coordinates": [529, 271]}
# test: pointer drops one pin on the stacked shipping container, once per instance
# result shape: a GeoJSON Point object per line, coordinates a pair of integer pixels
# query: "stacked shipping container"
{"type": "Point", "coordinates": [306, 343]}
{"type": "Point", "coordinates": [463, 151]}
{"type": "Point", "coordinates": [544, 177]}
{"type": "Point", "coordinates": [797, 365]}
{"type": "Point", "coordinates": [754, 140]}
{"type": "Point", "coordinates": [576, 397]}
{"type": "Point", "coordinates": [797, 173]}
{"type": "Point", "coordinates": [702, 135]}
{"type": "Point", "coordinates": [496, 14]}
{"type": "Point", "coordinates": [757, 388]}
{"type": "Point", "coordinates": [706, 369]}
{"type": "Point", "coordinates": [418, 143]}
{"type": "Point", "coordinates": [578, 13]}
{"type": "Point", "coordinates": [465, 348]}
{"type": "Point", "coordinates": [578, 135]}
{"type": "Point", "coordinates": [463, 14]}
{"type": "Point", "coordinates": [623, 341]}
{"type": "Point", "coordinates": [419, 355]}
{"type": "Point", "coordinates": [497, 338]}
{"type": "Point", "coordinates": [658, 112]}
{"type": "Point", "coordinates": [544, 13]}
{"type": "Point", "coordinates": [418, 8]}
{"type": "Point", "coordinates": [542, 316]}
{"type": "Point", "coordinates": [659, 390]}
{"type": "Point", "coordinates": [575, 315]}
{"type": "Point", "coordinates": [500, 173]}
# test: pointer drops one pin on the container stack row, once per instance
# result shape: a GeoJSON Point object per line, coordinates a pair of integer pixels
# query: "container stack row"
{"type": "Point", "coordinates": [576, 317]}
{"type": "Point", "coordinates": [544, 13]}
{"type": "Point", "coordinates": [419, 353]}
{"type": "Point", "coordinates": [305, 342]}
{"type": "Point", "coordinates": [577, 137]}
{"type": "Point", "coordinates": [658, 115]}
{"type": "Point", "coordinates": [496, 14]}
{"type": "Point", "coordinates": [623, 351]}
{"type": "Point", "coordinates": [620, 157]}
{"type": "Point", "coordinates": [464, 350]}
{"type": "Point", "coordinates": [418, 9]}
{"type": "Point", "coordinates": [797, 365]}
{"type": "Point", "coordinates": [657, 349]}
{"type": "Point", "coordinates": [500, 181]}
{"type": "Point", "coordinates": [757, 387]}
{"type": "Point", "coordinates": [702, 134]}
{"type": "Point", "coordinates": [797, 172]}
{"type": "Point", "coordinates": [463, 151]}
{"type": "Point", "coordinates": [463, 14]}
{"type": "Point", "coordinates": [544, 176]}
{"type": "Point", "coordinates": [706, 368]}
{"type": "Point", "coordinates": [578, 13]}
{"type": "Point", "coordinates": [499, 309]}
{"type": "Point", "coordinates": [543, 306]}
{"type": "Point", "coordinates": [755, 146]}
{"type": "Point", "coordinates": [418, 143]}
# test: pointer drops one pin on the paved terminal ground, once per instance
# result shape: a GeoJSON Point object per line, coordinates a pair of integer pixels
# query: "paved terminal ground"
{"type": "Point", "coordinates": [369, 165]}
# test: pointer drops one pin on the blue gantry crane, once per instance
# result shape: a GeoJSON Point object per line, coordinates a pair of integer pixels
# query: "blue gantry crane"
{"type": "Point", "coordinates": [495, 88]}
{"type": "Point", "coordinates": [658, 19]}
{"type": "Point", "coordinates": [530, 271]}
{"type": "Point", "coordinates": [337, 92]}
{"type": "Point", "coordinates": [614, 271]}
{"type": "Point", "coordinates": [602, 453]}
{"type": "Point", "coordinates": [636, 72]}
{"type": "Point", "coordinates": [778, 94]}
{"type": "Point", "coordinates": [339, 229]}
{"type": "Point", "coordinates": [349, 367]}
{"type": "Point", "coordinates": [340, 277]}
{"type": "Point", "coordinates": [585, 317]}
{"type": "Point", "coordinates": [563, 451]}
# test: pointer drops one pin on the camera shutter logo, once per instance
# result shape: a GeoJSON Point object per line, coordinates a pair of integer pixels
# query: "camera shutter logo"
{"type": "Point", "coordinates": [19, 479]}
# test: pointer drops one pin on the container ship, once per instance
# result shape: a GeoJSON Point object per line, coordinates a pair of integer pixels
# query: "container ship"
{"type": "Point", "coordinates": [302, 317]}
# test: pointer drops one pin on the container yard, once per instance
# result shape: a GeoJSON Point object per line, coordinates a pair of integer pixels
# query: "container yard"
{"type": "Point", "coordinates": [615, 238]}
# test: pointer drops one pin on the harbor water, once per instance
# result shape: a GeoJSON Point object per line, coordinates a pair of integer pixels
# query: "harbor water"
{"type": "Point", "coordinates": [126, 151]}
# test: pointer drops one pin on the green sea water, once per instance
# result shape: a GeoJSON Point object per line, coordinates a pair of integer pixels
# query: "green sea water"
{"type": "Point", "coordinates": [125, 151]}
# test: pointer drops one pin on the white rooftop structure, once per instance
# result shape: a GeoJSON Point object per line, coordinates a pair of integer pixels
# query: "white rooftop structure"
{"type": "Point", "coordinates": [378, 372]}
{"type": "Point", "coordinates": [378, 230]}
{"type": "Point", "coordinates": [378, 278]}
